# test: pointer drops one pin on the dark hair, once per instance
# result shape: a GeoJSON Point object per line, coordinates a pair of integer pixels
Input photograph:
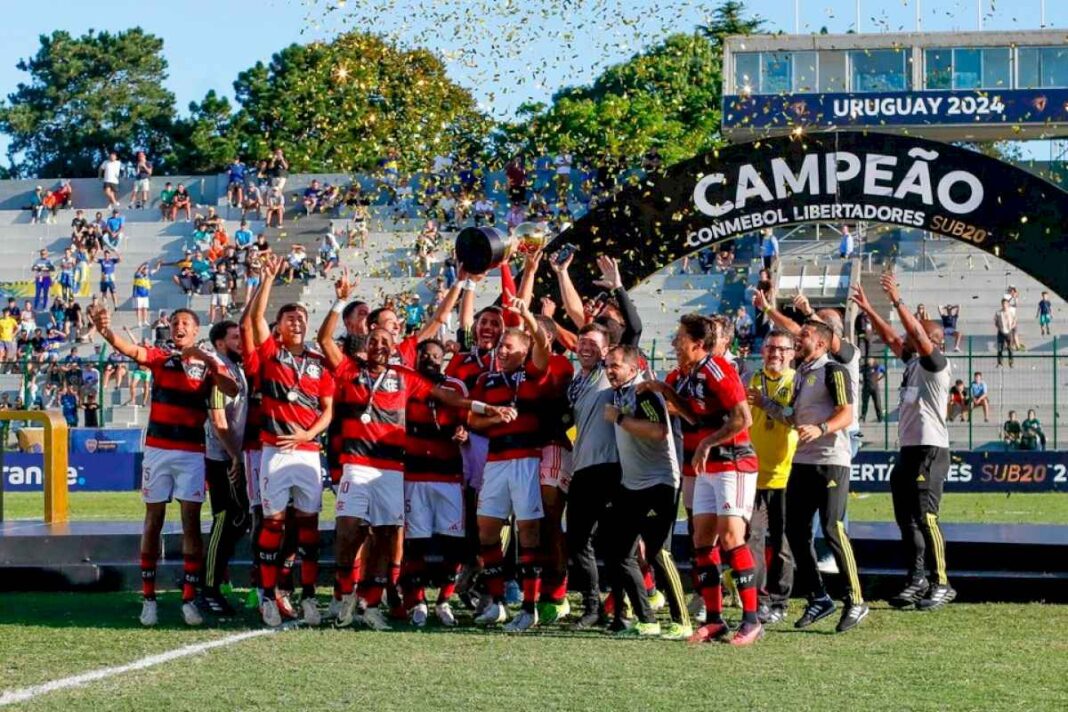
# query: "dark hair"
{"type": "Point", "coordinates": [350, 308]}
{"type": "Point", "coordinates": [822, 328]}
{"type": "Point", "coordinates": [547, 324]}
{"type": "Point", "coordinates": [594, 328]}
{"type": "Point", "coordinates": [491, 309]}
{"type": "Point", "coordinates": [430, 342]}
{"type": "Point", "coordinates": [190, 312]}
{"type": "Point", "coordinates": [218, 331]}
{"type": "Point", "coordinates": [372, 317]}
{"type": "Point", "coordinates": [699, 328]}
{"type": "Point", "coordinates": [631, 355]}
{"type": "Point", "coordinates": [291, 307]}
{"type": "Point", "coordinates": [778, 333]}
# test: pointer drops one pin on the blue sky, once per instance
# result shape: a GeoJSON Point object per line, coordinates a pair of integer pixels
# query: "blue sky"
{"type": "Point", "coordinates": [505, 51]}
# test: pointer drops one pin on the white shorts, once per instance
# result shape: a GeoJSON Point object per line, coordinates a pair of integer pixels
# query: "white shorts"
{"type": "Point", "coordinates": [433, 508]}
{"type": "Point", "coordinates": [294, 473]}
{"type": "Point", "coordinates": [687, 492]}
{"type": "Point", "coordinates": [172, 474]}
{"type": "Point", "coordinates": [140, 302]}
{"type": "Point", "coordinates": [511, 486]}
{"type": "Point", "coordinates": [725, 494]}
{"type": "Point", "coordinates": [252, 476]}
{"type": "Point", "coordinates": [373, 495]}
{"type": "Point", "coordinates": [143, 184]}
{"type": "Point", "coordinates": [555, 470]}
{"type": "Point", "coordinates": [220, 300]}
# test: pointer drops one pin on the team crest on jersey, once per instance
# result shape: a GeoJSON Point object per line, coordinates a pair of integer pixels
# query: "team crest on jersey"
{"type": "Point", "coordinates": [195, 370]}
{"type": "Point", "coordinates": [391, 383]}
{"type": "Point", "coordinates": [810, 380]}
{"type": "Point", "coordinates": [315, 371]}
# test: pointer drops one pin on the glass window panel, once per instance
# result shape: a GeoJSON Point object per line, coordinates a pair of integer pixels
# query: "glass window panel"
{"type": "Point", "coordinates": [746, 72]}
{"type": "Point", "coordinates": [1054, 63]}
{"type": "Point", "coordinates": [1027, 67]}
{"type": "Point", "coordinates": [879, 70]}
{"type": "Point", "coordinates": [938, 70]}
{"type": "Point", "coordinates": [775, 75]}
{"type": "Point", "coordinates": [967, 68]}
{"type": "Point", "coordinates": [997, 73]}
{"type": "Point", "coordinates": [804, 71]}
{"type": "Point", "coordinates": [832, 71]}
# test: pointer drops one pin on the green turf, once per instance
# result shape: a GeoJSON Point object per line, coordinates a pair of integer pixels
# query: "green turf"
{"type": "Point", "coordinates": [965, 657]}
{"type": "Point", "coordinates": [1047, 507]}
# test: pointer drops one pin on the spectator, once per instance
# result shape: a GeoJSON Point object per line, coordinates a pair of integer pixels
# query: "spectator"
{"type": "Point", "coordinates": [980, 397]}
{"type": "Point", "coordinates": [182, 201]}
{"type": "Point", "coordinates": [235, 186]}
{"type": "Point", "coordinates": [262, 245]}
{"type": "Point", "coordinates": [872, 374]}
{"type": "Point", "coordinates": [358, 229]}
{"type": "Point", "coordinates": [516, 174]}
{"type": "Point", "coordinates": [447, 211]}
{"type": "Point", "coordinates": [161, 331]}
{"type": "Point", "coordinates": [115, 369]}
{"type": "Point", "coordinates": [1045, 314]}
{"type": "Point", "coordinates": [846, 245]}
{"type": "Point", "coordinates": [958, 401]}
{"type": "Point", "coordinates": [78, 227]}
{"type": "Point", "coordinates": [253, 273]}
{"type": "Point", "coordinates": [328, 253]}
{"type": "Point", "coordinates": [202, 268]}
{"type": "Point", "coordinates": [276, 204]}
{"type": "Point", "coordinates": [1014, 302]}
{"type": "Point", "coordinates": [37, 206]}
{"type": "Point", "coordinates": [42, 280]}
{"type": "Point", "coordinates": [166, 202]}
{"type": "Point", "coordinates": [1031, 435]}
{"type": "Point", "coordinates": [107, 276]}
{"type": "Point", "coordinates": [9, 327]}
{"type": "Point", "coordinates": [922, 314]}
{"type": "Point", "coordinates": [92, 410]}
{"type": "Point", "coordinates": [67, 264]}
{"type": "Point", "coordinates": [142, 288]}
{"type": "Point", "coordinates": [949, 314]}
{"type": "Point", "coordinates": [278, 169]}
{"type": "Point", "coordinates": [516, 216]}
{"type": "Point", "coordinates": [769, 249]}
{"type": "Point", "coordinates": [62, 197]}
{"type": "Point", "coordinates": [71, 368]}
{"type": "Point", "coordinates": [724, 257]}
{"type": "Point", "coordinates": [1011, 430]}
{"type": "Point", "coordinates": [109, 173]}
{"type": "Point", "coordinates": [222, 287]}
{"type": "Point", "coordinates": [58, 316]}
{"type": "Point", "coordinates": [253, 202]}
{"type": "Point", "coordinates": [140, 378]}
{"type": "Point", "coordinates": [485, 211]}
{"type": "Point", "coordinates": [68, 403]}
{"type": "Point", "coordinates": [139, 196]}
{"type": "Point", "coordinates": [114, 230]}
{"type": "Point", "coordinates": [27, 319]}
{"type": "Point", "coordinates": [449, 270]}
{"type": "Point", "coordinates": [90, 313]}
{"type": "Point", "coordinates": [414, 315]}
{"type": "Point", "coordinates": [311, 197]}
{"type": "Point", "coordinates": [743, 327]}
{"type": "Point", "coordinates": [1005, 324]}
{"type": "Point", "coordinates": [295, 267]}
{"type": "Point", "coordinates": [562, 164]}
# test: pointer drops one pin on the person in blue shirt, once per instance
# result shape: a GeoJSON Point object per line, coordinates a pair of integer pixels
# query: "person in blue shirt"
{"type": "Point", "coordinates": [235, 189]}
{"type": "Point", "coordinates": [113, 230]}
{"type": "Point", "coordinates": [68, 403]}
{"type": "Point", "coordinates": [42, 281]}
{"type": "Point", "coordinates": [769, 249]}
{"type": "Point", "coordinates": [846, 245]}
{"type": "Point", "coordinates": [311, 197]}
{"type": "Point", "coordinates": [107, 276]}
{"type": "Point", "coordinates": [1045, 314]}
{"type": "Point", "coordinates": [415, 315]}
{"type": "Point", "coordinates": [980, 397]}
{"type": "Point", "coordinates": [243, 237]}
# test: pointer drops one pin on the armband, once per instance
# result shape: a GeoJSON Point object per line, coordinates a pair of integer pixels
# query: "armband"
{"type": "Point", "coordinates": [339, 306]}
{"type": "Point", "coordinates": [478, 407]}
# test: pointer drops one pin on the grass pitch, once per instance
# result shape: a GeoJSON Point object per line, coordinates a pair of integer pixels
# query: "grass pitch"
{"type": "Point", "coordinates": [965, 657]}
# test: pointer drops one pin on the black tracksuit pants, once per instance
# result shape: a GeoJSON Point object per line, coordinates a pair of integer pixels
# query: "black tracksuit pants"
{"type": "Point", "coordinates": [230, 518]}
{"type": "Point", "coordinates": [592, 488]}
{"type": "Point", "coordinates": [771, 551]}
{"type": "Point", "coordinates": [916, 484]}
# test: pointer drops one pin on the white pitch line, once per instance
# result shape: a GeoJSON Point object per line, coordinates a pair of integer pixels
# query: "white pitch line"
{"type": "Point", "coordinates": [10, 697]}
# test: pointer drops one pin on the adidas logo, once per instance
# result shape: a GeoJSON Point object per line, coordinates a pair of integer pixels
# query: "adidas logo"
{"type": "Point", "coordinates": [831, 484]}
{"type": "Point", "coordinates": [652, 513]}
{"type": "Point", "coordinates": [921, 478]}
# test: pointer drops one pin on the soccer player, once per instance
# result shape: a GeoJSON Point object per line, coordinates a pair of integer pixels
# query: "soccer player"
{"type": "Point", "coordinates": [510, 482]}
{"type": "Point", "coordinates": [372, 396]}
{"type": "Point", "coordinates": [174, 448]}
{"type": "Point", "coordinates": [646, 504]}
{"type": "Point", "coordinates": [298, 395]}
{"type": "Point", "coordinates": [822, 408]}
{"type": "Point", "coordinates": [252, 446]}
{"type": "Point", "coordinates": [709, 395]}
{"type": "Point", "coordinates": [917, 480]}
{"type": "Point", "coordinates": [774, 440]}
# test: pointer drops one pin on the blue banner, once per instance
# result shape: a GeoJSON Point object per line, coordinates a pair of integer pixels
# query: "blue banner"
{"type": "Point", "coordinates": [102, 472]}
{"type": "Point", "coordinates": [882, 109]}
{"type": "Point", "coordinates": [94, 440]}
{"type": "Point", "coordinates": [1011, 471]}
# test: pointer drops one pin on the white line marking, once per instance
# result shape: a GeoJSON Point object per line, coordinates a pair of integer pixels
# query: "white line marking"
{"type": "Point", "coordinates": [10, 697]}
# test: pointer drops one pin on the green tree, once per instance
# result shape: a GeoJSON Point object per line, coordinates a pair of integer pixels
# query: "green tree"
{"type": "Point", "coordinates": [339, 106]}
{"type": "Point", "coordinates": [205, 141]}
{"type": "Point", "coordinates": [87, 96]}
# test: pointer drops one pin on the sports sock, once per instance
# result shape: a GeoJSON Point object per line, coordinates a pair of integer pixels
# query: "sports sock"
{"type": "Point", "coordinates": [706, 570]}
{"type": "Point", "coordinates": [191, 568]}
{"type": "Point", "coordinates": [308, 548]}
{"type": "Point", "coordinates": [741, 562]}
{"type": "Point", "coordinates": [372, 590]}
{"type": "Point", "coordinates": [450, 572]}
{"type": "Point", "coordinates": [413, 580]}
{"type": "Point", "coordinates": [269, 543]}
{"type": "Point", "coordinates": [529, 573]}
{"type": "Point", "coordinates": [148, 576]}
{"type": "Point", "coordinates": [493, 571]}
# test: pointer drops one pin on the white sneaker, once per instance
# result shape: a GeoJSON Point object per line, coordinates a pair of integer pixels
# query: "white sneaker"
{"type": "Point", "coordinates": [149, 613]}
{"type": "Point", "coordinates": [269, 613]}
{"type": "Point", "coordinates": [697, 609]}
{"type": "Point", "coordinates": [493, 614]}
{"type": "Point", "coordinates": [333, 608]}
{"type": "Point", "coordinates": [522, 622]}
{"type": "Point", "coordinates": [310, 610]}
{"type": "Point", "coordinates": [191, 614]}
{"type": "Point", "coordinates": [375, 620]}
{"type": "Point", "coordinates": [445, 615]}
{"type": "Point", "coordinates": [419, 615]}
{"type": "Point", "coordinates": [346, 608]}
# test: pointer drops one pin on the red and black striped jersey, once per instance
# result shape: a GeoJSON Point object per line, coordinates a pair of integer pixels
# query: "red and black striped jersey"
{"type": "Point", "coordinates": [280, 374]}
{"type": "Point", "coordinates": [380, 441]}
{"type": "Point", "coordinates": [523, 390]}
{"type": "Point", "coordinates": [711, 389]}
{"type": "Point", "coordinates": [468, 366]}
{"type": "Point", "coordinates": [431, 455]}
{"type": "Point", "coordinates": [556, 414]}
{"type": "Point", "coordinates": [254, 414]}
{"type": "Point", "coordinates": [179, 401]}
{"type": "Point", "coordinates": [405, 351]}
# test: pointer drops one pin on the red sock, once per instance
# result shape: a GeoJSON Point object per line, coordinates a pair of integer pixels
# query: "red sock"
{"type": "Point", "coordinates": [372, 591]}
{"type": "Point", "coordinates": [558, 591]}
{"type": "Point", "coordinates": [191, 566]}
{"type": "Point", "coordinates": [308, 545]}
{"type": "Point", "coordinates": [269, 544]}
{"type": "Point", "coordinates": [357, 568]}
{"type": "Point", "coordinates": [413, 587]}
{"type": "Point", "coordinates": [448, 583]}
{"type": "Point", "coordinates": [148, 576]}
{"type": "Point", "coordinates": [741, 562]}
{"type": "Point", "coordinates": [706, 569]}
{"type": "Point", "coordinates": [529, 575]}
{"type": "Point", "coordinates": [647, 579]}
{"type": "Point", "coordinates": [343, 581]}
{"type": "Point", "coordinates": [394, 573]}
{"type": "Point", "coordinates": [492, 571]}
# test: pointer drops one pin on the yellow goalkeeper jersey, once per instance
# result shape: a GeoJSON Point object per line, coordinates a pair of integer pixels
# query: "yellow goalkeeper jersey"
{"type": "Point", "coordinates": [774, 441]}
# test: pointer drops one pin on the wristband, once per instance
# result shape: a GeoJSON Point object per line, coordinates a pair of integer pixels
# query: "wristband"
{"type": "Point", "coordinates": [467, 285]}
{"type": "Point", "coordinates": [895, 304]}
{"type": "Point", "coordinates": [478, 407]}
{"type": "Point", "coordinates": [339, 306]}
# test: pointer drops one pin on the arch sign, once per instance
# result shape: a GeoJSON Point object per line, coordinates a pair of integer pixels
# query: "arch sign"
{"type": "Point", "coordinates": [827, 177]}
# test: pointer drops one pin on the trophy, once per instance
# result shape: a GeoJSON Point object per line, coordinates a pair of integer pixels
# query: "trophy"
{"type": "Point", "coordinates": [480, 249]}
{"type": "Point", "coordinates": [530, 237]}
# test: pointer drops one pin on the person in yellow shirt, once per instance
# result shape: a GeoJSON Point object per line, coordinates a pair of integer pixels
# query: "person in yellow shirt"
{"type": "Point", "coordinates": [9, 348]}
{"type": "Point", "coordinates": [770, 391]}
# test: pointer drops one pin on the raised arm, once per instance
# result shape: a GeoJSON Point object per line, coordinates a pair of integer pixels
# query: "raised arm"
{"type": "Point", "coordinates": [539, 353]}
{"type": "Point", "coordinates": [760, 301]}
{"type": "Point", "coordinates": [129, 349]}
{"type": "Point", "coordinates": [569, 296]}
{"type": "Point", "coordinates": [913, 327]}
{"type": "Point", "coordinates": [218, 370]}
{"type": "Point", "coordinates": [613, 282]}
{"type": "Point", "coordinates": [325, 337]}
{"type": "Point", "coordinates": [530, 274]}
{"type": "Point", "coordinates": [885, 331]}
{"type": "Point", "coordinates": [441, 314]}
{"type": "Point", "coordinates": [261, 330]}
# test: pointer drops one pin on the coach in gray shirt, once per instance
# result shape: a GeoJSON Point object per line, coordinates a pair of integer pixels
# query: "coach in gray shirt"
{"type": "Point", "coordinates": [822, 412]}
{"type": "Point", "coordinates": [917, 479]}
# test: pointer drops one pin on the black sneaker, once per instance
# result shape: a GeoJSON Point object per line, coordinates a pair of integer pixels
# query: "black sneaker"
{"type": "Point", "coordinates": [852, 614]}
{"type": "Point", "coordinates": [590, 618]}
{"type": "Point", "coordinates": [617, 624]}
{"type": "Point", "coordinates": [912, 593]}
{"type": "Point", "coordinates": [816, 610]}
{"type": "Point", "coordinates": [216, 603]}
{"type": "Point", "coordinates": [938, 596]}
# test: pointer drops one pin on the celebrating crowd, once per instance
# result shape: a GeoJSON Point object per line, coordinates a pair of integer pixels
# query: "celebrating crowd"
{"type": "Point", "coordinates": [460, 473]}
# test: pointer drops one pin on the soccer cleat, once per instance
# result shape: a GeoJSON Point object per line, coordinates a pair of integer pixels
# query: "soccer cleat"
{"type": "Point", "coordinates": [715, 630]}
{"type": "Point", "coordinates": [346, 609]}
{"type": "Point", "coordinates": [852, 614]}
{"type": "Point", "coordinates": [445, 615]}
{"type": "Point", "coordinates": [816, 610]}
{"type": "Point", "coordinates": [495, 613]}
{"type": "Point", "coordinates": [191, 614]}
{"type": "Point", "coordinates": [697, 608]}
{"type": "Point", "coordinates": [513, 596]}
{"type": "Point", "coordinates": [419, 615]}
{"type": "Point", "coordinates": [549, 612]}
{"type": "Point", "coordinates": [912, 593]}
{"type": "Point", "coordinates": [310, 612]}
{"type": "Point", "coordinates": [640, 630]}
{"type": "Point", "coordinates": [333, 608]}
{"type": "Point", "coordinates": [677, 631]}
{"type": "Point", "coordinates": [657, 600]}
{"type": "Point", "coordinates": [226, 588]}
{"type": "Point", "coordinates": [285, 607]}
{"type": "Point", "coordinates": [373, 619]}
{"type": "Point", "coordinates": [270, 614]}
{"type": "Point", "coordinates": [523, 622]}
{"type": "Point", "coordinates": [149, 613]}
{"type": "Point", "coordinates": [938, 596]}
{"type": "Point", "coordinates": [747, 634]}
{"type": "Point", "coordinates": [775, 614]}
